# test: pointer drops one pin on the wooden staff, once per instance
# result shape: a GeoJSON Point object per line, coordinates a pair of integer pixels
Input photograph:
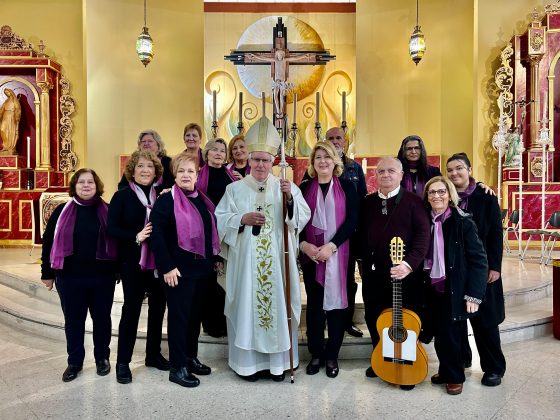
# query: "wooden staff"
{"type": "Point", "coordinates": [287, 283]}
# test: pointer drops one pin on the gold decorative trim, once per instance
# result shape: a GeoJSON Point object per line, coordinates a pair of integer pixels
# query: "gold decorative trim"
{"type": "Point", "coordinates": [537, 41]}
{"type": "Point", "coordinates": [20, 213]}
{"type": "Point", "coordinates": [15, 242]}
{"type": "Point", "coordinates": [9, 216]}
{"type": "Point", "coordinates": [12, 41]}
{"type": "Point", "coordinates": [68, 159]}
{"type": "Point", "coordinates": [551, 8]}
{"type": "Point", "coordinates": [504, 81]}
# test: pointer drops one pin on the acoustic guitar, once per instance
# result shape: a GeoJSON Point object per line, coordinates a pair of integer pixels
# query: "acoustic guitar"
{"type": "Point", "coordinates": [399, 358]}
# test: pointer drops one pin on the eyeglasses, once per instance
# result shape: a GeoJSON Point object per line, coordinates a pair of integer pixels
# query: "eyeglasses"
{"type": "Point", "coordinates": [412, 148]}
{"type": "Point", "coordinates": [263, 161]}
{"type": "Point", "coordinates": [440, 193]}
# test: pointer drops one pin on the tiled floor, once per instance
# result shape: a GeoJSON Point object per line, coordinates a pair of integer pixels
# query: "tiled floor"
{"type": "Point", "coordinates": [31, 387]}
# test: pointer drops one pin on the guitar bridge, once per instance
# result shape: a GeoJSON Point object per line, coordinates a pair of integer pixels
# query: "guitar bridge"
{"type": "Point", "coordinates": [397, 361]}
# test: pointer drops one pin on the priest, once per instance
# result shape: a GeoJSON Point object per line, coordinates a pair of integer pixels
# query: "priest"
{"type": "Point", "coordinates": [250, 225]}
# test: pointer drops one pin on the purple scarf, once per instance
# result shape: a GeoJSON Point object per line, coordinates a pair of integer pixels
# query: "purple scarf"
{"type": "Point", "coordinates": [315, 232]}
{"type": "Point", "coordinates": [408, 183]}
{"type": "Point", "coordinates": [147, 260]}
{"type": "Point", "coordinates": [190, 229]}
{"type": "Point", "coordinates": [231, 166]}
{"type": "Point", "coordinates": [63, 243]}
{"type": "Point", "coordinates": [202, 181]}
{"type": "Point", "coordinates": [435, 260]}
{"type": "Point", "coordinates": [464, 195]}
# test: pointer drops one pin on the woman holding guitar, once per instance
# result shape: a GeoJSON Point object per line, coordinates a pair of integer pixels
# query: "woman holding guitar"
{"type": "Point", "coordinates": [324, 256]}
{"type": "Point", "coordinates": [457, 267]}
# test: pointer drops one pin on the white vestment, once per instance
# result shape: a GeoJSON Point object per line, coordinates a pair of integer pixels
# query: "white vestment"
{"type": "Point", "coordinates": [255, 303]}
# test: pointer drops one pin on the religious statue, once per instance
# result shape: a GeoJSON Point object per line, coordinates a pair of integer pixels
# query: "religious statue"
{"type": "Point", "coordinates": [10, 114]}
{"type": "Point", "coordinates": [280, 84]}
{"type": "Point", "coordinates": [513, 153]}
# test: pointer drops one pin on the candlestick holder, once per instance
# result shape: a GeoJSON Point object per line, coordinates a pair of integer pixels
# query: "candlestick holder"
{"type": "Point", "coordinates": [344, 126]}
{"type": "Point", "coordinates": [29, 181]}
{"type": "Point", "coordinates": [214, 129]}
{"type": "Point", "coordinates": [318, 131]}
{"type": "Point", "coordinates": [292, 139]}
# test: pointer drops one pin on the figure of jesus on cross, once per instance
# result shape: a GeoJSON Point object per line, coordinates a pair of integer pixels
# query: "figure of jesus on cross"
{"type": "Point", "coordinates": [279, 58]}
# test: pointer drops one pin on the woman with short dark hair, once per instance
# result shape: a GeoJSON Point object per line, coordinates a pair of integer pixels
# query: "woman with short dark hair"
{"type": "Point", "coordinates": [79, 258]}
{"type": "Point", "coordinates": [128, 223]}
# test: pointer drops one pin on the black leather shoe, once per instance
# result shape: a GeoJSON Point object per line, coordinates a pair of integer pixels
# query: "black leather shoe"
{"type": "Point", "coordinates": [103, 367]}
{"type": "Point", "coordinates": [332, 368]}
{"type": "Point", "coordinates": [314, 366]}
{"type": "Point", "coordinates": [437, 380]}
{"type": "Point", "coordinates": [370, 373]}
{"type": "Point", "coordinates": [71, 373]}
{"type": "Point", "coordinates": [354, 331]}
{"type": "Point", "coordinates": [157, 361]}
{"type": "Point", "coordinates": [467, 365]}
{"type": "Point", "coordinates": [250, 378]}
{"type": "Point", "coordinates": [278, 378]}
{"type": "Point", "coordinates": [198, 368]}
{"type": "Point", "coordinates": [124, 375]}
{"type": "Point", "coordinates": [407, 387]}
{"type": "Point", "coordinates": [183, 377]}
{"type": "Point", "coordinates": [491, 379]}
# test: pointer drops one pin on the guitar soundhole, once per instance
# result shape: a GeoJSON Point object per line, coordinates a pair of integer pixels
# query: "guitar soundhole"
{"type": "Point", "coordinates": [398, 335]}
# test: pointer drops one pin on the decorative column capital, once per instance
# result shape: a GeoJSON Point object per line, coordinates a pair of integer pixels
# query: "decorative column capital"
{"type": "Point", "coordinates": [45, 86]}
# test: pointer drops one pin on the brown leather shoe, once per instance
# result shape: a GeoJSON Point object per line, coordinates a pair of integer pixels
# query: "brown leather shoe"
{"type": "Point", "coordinates": [454, 389]}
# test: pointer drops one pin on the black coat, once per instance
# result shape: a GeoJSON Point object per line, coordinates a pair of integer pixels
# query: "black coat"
{"type": "Point", "coordinates": [486, 214]}
{"type": "Point", "coordinates": [466, 266]}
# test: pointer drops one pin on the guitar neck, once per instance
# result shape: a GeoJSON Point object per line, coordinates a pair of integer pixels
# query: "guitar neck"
{"type": "Point", "coordinates": [397, 303]}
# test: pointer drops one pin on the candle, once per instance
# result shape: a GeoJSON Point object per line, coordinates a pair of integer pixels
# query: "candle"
{"type": "Point", "coordinates": [544, 109]}
{"type": "Point", "coordinates": [295, 108]}
{"type": "Point", "coordinates": [344, 106]}
{"type": "Point", "coordinates": [263, 104]}
{"type": "Point", "coordinates": [213, 105]}
{"type": "Point", "coordinates": [28, 152]}
{"type": "Point", "coordinates": [317, 108]}
{"type": "Point", "coordinates": [364, 165]}
{"type": "Point", "coordinates": [240, 107]}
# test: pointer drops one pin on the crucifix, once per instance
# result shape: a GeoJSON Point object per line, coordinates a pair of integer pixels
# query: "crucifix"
{"type": "Point", "coordinates": [279, 58]}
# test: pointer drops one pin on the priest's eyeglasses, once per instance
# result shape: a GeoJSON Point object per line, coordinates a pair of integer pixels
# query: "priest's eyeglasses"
{"type": "Point", "coordinates": [440, 193]}
{"type": "Point", "coordinates": [263, 161]}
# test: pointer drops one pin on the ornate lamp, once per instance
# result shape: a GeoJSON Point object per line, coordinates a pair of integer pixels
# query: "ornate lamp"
{"type": "Point", "coordinates": [144, 43]}
{"type": "Point", "coordinates": [417, 43]}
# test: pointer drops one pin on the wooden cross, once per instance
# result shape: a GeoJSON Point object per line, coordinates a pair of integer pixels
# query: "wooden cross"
{"type": "Point", "coordinates": [279, 58]}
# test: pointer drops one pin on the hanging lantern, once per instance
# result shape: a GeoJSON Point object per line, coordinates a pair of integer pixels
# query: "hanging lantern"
{"type": "Point", "coordinates": [417, 44]}
{"type": "Point", "coordinates": [145, 43]}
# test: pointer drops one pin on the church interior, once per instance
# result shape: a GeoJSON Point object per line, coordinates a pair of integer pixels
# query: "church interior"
{"type": "Point", "coordinates": [485, 85]}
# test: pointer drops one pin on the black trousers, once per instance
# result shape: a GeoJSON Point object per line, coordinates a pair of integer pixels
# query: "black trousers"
{"type": "Point", "coordinates": [487, 338]}
{"type": "Point", "coordinates": [77, 296]}
{"type": "Point", "coordinates": [316, 317]}
{"type": "Point", "coordinates": [184, 313]}
{"type": "Point", "coordinates": [448, 340]}
{"type": "Point", "coordinates": [213, 318]}
{"type": "Point", "coordinates": [351, 289]}
{"type": "Point", "coordinates": [135, 284]}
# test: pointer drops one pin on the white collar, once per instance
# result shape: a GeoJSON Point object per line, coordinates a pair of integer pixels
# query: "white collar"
{"type": "Point", "coordinates": [391, 193]}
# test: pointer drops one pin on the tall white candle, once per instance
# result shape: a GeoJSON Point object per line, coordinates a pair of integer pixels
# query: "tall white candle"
{"type": "Point", "coordinates": [213, 105]}
{"type": "Point", "coordinates": [28, 152]}
{"type": "Point", "coordinates": [344, 106]}
{"type": "Point", "coordinates": [240, 107]}
{"type": "Point", "coordinates": [544, 109]}
{"type": "Point", "coordinates": [317, 106]}
{"type": "Point", "coordinates": [295, 108]}
{"type": "Point", "coordinates": [364, 165]}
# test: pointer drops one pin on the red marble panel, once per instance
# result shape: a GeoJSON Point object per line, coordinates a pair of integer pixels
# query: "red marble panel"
{"type": "Point", "coordinates": [554, 21]}
{"type": "Point", "coordinates": [123, 160]}
{"type": "Point", "coordinates": [12, 162]}
{"type": "Point", "coordinates": [41, 179]}
{"type": "Point", "coordinates": [57, 179]}
{"type": "Point", "coordinates": [25, 215]}
{"type": "Point", "coordinates": [5, 215]}
{"type": "Point", "coordinates": [510, 175]}
{"type": "Point", "coordinates": [11, 179]}
{"type": "Point", "coordinates": [17, 53]}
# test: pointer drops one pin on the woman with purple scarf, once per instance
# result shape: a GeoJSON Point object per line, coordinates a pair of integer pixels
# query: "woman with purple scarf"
{"type": "Point", "coordinates": [129, 212]}
{"type": "Point", "coordinates": [414, 159]}
{"type": "Point", "coordinates": [213, 179]}
{"type": "Point", "coordinates": [485, 211]}
{"type": "Point", "coordinates": [457, 270]}
{"type": "Point", "coordinates": [324, 258]}
{"type": "Point", "coordinates": [185, 244]}
{"type": "Point", "coordinates": [79, 258]}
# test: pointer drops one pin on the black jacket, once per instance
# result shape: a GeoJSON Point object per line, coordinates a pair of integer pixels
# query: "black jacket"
{"type": "Point", "coordinates": [466, 266]}
{"type": "Point", "coordinates": [486, 214]}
